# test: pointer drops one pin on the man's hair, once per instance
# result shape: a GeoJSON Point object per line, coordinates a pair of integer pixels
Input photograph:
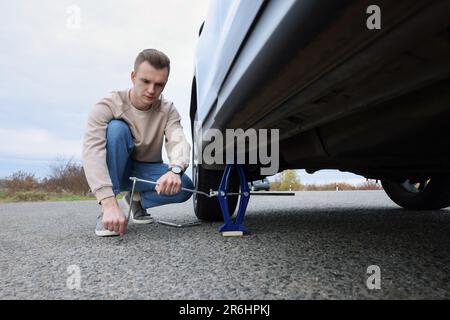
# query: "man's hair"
{"type": "Point", "coordinates": [156, 58]}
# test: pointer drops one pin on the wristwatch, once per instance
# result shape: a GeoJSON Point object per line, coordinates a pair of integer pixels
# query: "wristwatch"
{"type": "Point", "coordinates": [176, 169]}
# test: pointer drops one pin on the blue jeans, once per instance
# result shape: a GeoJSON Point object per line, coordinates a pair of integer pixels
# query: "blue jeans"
{"type": "Point", "coordinates": [119, 146]}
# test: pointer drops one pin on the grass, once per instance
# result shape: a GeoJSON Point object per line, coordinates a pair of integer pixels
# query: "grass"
{"type": "Point", "coordinates": [70, 197]}
{"type": "Point", "coordinates": [25, 196]}
{"type": "Point", "coordinates": [2, 194]}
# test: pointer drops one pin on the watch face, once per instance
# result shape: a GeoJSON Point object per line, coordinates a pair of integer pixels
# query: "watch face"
{"type": "Point", "coordinates": [176, 169]}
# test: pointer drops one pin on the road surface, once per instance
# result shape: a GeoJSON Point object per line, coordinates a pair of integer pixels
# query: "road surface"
{"type": "Point", "coordinates": [316, 245]}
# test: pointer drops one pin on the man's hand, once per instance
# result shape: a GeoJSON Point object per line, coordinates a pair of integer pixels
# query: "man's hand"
{"type": "Point", "coordinates": [113, 217]}
{"type": "Point", "coordinates": [168, 184]}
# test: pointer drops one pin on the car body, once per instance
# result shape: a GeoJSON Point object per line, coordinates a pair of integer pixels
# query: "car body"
{"type": "Point", "coordinates": [375, 102]}
{"type": "Point", "coordinates": [259, 185]}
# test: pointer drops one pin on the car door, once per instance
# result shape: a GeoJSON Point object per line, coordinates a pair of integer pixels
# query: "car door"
{"type": "Point", "coordinates": [222, 35]}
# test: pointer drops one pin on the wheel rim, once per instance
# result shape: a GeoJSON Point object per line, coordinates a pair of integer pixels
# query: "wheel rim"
{"type": "Point", "coordinates": [415, 186]}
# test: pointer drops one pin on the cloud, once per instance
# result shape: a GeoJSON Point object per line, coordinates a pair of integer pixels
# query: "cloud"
{"type": "Point", "coordinates": [52, 75]}
{"type": "Point", "coordinates": [37, 143]}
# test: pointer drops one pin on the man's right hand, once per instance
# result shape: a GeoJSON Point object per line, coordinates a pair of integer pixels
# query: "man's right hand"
{"type": "Point", "coordinates": [113, 217]}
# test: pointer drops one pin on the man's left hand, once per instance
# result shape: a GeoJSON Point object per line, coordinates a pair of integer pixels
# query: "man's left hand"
{"type": "Point", "coordinates": [168, 184]}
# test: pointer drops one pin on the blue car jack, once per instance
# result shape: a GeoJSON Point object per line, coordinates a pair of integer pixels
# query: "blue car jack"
{"type": "Point", "coordinates": [230, 227]}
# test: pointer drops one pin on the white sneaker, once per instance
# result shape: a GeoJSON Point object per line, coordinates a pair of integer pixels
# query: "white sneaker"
{"type": "Point", "coordinates": [100, 229]}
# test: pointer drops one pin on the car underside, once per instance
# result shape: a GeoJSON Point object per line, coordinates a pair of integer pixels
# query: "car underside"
{"type": "Point", "coordinates": [372, 102]}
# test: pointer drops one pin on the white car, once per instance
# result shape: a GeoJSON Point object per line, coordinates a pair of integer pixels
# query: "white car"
{"type": "Point", "coordinates": [345, 93]}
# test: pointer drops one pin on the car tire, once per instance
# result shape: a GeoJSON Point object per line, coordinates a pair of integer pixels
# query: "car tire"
{"type": "Point", "coordinates": [209, 208]}
{"type": "Point", "coordinates": [205, 208]}
{"type": "Point", "coordinates": [430, 194]}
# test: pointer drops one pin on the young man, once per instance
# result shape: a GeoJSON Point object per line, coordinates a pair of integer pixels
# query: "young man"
{"type": "Point", "coordinates": [124, 138]}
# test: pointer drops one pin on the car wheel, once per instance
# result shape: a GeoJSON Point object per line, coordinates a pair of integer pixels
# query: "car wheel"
{"type": "Point", "coordinates": [209, 208]}
{"type": "Point", "coordinates": [428, 194]}
{"type": "Point", "coordinates": [205, 180]}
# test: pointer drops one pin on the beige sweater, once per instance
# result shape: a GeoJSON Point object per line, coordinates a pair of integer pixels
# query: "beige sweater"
{"type": "Point", "coordinates": [148, 129]}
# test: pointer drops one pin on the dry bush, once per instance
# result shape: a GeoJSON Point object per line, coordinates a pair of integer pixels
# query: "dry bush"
{"type": "Point", "coordinates": [345, 186]}
{"type": "Point", "coordinates": [275, 185]}
{"type": "Point", "coordinates": [370, 185]}
{"type": "Point", "coordinates": [34, 195]}
{"type": "Point", "coordinates": [3, 183]}
{"type": "Point", "coordinates": [278, 186]}
{"type": "Point", "coordinates": [67, 176]}
{"type": "Point", "coordinates": [341, 186]}
{"type": "Point", "coordinates": [21, 181]}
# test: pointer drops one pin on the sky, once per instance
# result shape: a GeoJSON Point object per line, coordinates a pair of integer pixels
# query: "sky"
{"type": "Point", "coordinates": [58, 58]}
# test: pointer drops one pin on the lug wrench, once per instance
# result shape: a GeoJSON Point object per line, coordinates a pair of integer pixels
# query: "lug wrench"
{"type": "Point", "coordinates": [212, 193]}
{"type": "Point", "coordinates": [135, 179]}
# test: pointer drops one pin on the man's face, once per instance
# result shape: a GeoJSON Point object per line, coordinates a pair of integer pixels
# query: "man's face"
{"type": "Point", "coordinates": [148, 83]}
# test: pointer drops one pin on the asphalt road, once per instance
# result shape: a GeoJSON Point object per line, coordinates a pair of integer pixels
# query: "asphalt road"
{"type": "Point", "coordinates": [316, 245]}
